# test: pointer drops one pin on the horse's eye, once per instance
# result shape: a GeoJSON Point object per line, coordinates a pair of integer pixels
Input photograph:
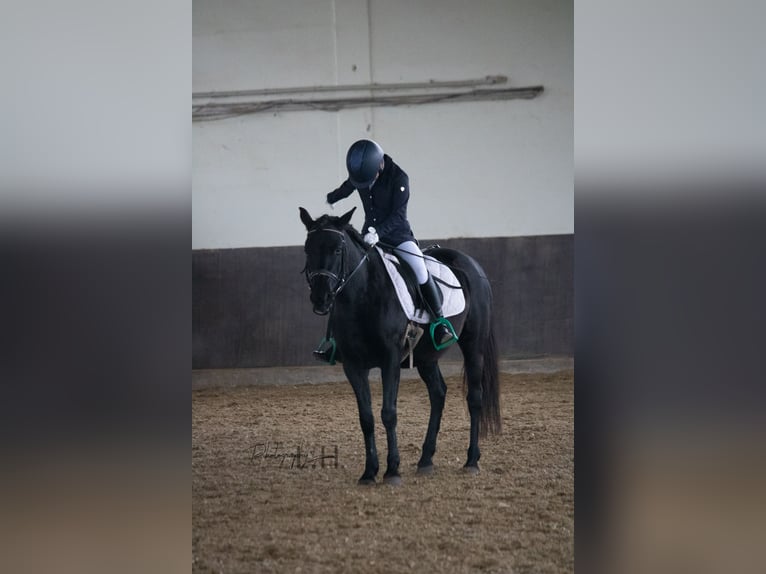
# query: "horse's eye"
{"type": "Point", "coordinates": [337, 251]}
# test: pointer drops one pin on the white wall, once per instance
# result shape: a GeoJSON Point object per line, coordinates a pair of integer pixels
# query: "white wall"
{"type": "Point", "coordinates": [477, 169]}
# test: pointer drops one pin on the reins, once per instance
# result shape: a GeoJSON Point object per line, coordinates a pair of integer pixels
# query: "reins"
{"type": "Point", "coordinates": [345, 281]}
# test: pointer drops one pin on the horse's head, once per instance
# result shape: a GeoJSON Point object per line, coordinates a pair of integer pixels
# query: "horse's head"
{"type": "Point", "coordinates": [325, 249]}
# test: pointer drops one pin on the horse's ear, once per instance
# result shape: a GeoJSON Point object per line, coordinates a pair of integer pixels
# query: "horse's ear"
{"type": "Point", "coordinates": [306, 219]}
{"type": "Point", "coordinates": [346, 217]}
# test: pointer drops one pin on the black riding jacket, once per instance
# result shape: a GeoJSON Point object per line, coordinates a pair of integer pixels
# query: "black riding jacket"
{"type": "Point", "coordinates": [385, 203]}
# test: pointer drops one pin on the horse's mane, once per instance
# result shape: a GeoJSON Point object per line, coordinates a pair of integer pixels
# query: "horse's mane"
{"type": "Point", "coordinates": [332, 221]}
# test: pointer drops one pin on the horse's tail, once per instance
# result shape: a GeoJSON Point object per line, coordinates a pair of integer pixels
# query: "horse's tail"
{"type": "Point", "coordinates": [478, 339]}
{"type": "Point", "coordinates": [490, 420]}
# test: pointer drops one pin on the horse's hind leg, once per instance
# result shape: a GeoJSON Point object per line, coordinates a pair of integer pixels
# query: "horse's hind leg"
{"type": "Point", "coordinates": [437, 391]}
{"type": "Point", "coordinates": [359, 380]}
{"type": "Point", "coordinates": [474, 363]}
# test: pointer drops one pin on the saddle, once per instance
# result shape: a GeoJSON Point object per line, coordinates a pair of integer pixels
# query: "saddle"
{"type": "Point", "coordinates": [412, 301]}
{"type": "Point", "coordinates": [408, 290]}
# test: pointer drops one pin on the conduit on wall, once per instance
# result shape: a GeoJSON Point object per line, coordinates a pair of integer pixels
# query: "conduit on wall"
{"type": "Point", "coordinates": [207, 106]}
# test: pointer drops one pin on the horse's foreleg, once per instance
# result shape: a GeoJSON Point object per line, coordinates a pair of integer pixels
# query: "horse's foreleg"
{"type": "Point", "coordinates": [390, 376]}
{"type": "Point", "coordinates": [437, 391]}
{"type": "Point", "coordinates": [359, 380]}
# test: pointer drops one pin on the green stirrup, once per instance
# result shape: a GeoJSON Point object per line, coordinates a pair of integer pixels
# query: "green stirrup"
{"type": "Point", "coordinates": [443, 321]}
{"type": "Point", "coordinates": [331, 340]}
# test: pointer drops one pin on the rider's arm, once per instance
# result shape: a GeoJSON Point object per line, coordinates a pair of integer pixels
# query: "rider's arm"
{"type": "Point", "coordinates": [346, 188]}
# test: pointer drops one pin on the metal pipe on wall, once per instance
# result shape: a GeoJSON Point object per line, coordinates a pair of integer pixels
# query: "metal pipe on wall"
{"type": "Point", "coordinates": [216, 111]}
{"type": "Point", "coordinates": [430, 84]}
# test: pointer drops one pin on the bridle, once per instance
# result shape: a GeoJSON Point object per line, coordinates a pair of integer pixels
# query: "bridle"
{"type": "Point", "coordinates": [340, 280]}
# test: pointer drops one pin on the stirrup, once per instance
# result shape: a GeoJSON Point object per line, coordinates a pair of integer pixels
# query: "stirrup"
{"type": "Point", "coordinates": [450, 331]}
{"type": "Point", "coordinates": [325, 352]}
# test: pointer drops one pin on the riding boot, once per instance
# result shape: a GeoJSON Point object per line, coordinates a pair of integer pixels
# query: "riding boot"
{"type": "Point", "coordinates": [325, 352]}
{"type": "Point", "coordinates": [432, 297]}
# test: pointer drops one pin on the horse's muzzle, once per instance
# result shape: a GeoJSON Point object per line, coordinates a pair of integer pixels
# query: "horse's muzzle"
{"type": "Point", "coordinates": [321, 303]}
{"type": "Point", "coordinates": [321, 296]}
{"type": "Point", "coordinates": [323, 310]}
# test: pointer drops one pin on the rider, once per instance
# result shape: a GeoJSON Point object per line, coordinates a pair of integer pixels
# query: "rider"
{"type": "Point", "coordinates": [385, 190]}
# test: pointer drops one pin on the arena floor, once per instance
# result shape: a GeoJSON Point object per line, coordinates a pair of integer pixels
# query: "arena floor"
{"type": "Point", "coordinates": [267, 495]}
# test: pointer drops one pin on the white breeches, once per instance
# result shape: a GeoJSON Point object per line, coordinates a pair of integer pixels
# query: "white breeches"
{"type": "Point", "coordinates": [410, 252]}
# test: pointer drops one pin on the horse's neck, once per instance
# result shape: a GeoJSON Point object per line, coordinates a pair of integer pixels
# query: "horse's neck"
{"type": "Point", "coordinates": [358, 273]}
{"type": "Point", "coordinates": [354, 263]}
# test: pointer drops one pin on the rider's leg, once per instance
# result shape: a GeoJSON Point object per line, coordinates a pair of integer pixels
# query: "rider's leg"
{"type": "Point", "coordinates": [410, 252]}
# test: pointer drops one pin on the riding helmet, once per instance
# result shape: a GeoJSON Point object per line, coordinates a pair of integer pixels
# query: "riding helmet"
{"type": "Point", "coordinates": [363, 163]}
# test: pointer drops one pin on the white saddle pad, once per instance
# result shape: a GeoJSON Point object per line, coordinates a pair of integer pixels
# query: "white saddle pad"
{"type": "Point", "coordinates": [453, 300]}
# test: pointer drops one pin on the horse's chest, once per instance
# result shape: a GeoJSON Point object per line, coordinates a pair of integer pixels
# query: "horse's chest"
{"type": "Point", "coordinates": [374, 331]}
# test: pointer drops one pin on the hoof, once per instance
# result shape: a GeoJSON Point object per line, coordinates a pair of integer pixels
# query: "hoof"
{"type": "Point", "coordinates": [472, 470]}
{"type": "Point", "coordinates": [426, 470]}
{"type": "Point", "coordinates": [366, 482]}
{"type": "Point", "coordinates": [394, 480]}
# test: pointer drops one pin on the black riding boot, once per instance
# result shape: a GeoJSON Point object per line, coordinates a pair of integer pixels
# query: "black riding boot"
{"type": "Point", "coordinates": [433, 299]}
{"type": "Point", "coordinates": [325, 352]}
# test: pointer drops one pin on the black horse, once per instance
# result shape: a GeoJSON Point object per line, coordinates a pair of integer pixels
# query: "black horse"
{"type": "Point", "coordinates": [350, 282]}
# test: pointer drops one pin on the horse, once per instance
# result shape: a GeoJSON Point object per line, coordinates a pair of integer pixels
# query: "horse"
{"type": "Point", "coordinates": [348, 280]}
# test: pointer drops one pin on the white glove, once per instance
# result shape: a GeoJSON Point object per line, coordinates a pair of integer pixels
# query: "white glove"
{"type": "Point", "coordinates": [372, 236]}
